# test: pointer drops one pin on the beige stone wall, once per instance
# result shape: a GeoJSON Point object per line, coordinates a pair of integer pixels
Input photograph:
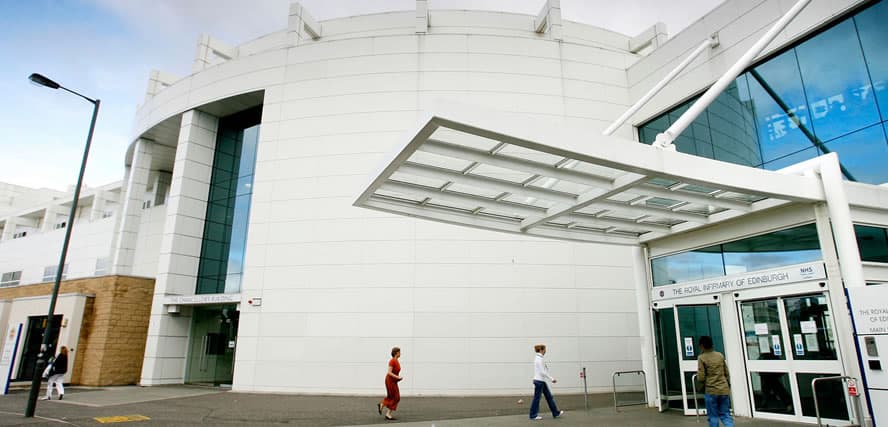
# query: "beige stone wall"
{"type": "Point", "coordinates": [115, 325]}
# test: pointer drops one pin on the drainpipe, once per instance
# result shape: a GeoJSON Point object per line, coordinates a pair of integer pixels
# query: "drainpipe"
{"type": "Point", "coordinates": [664, 140]}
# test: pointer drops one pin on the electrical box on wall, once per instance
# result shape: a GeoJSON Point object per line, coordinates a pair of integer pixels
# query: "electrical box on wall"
{"type": "Point", "coordinates": [869, 307]}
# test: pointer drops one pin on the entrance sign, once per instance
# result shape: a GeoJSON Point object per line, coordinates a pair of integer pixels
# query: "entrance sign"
{"type": "Point", "coordinates": [869, 306]}
{"type": "Point", "coordinates": [799, 345]}
{"type": "Point", "coordinates": [202, 299]}
{"type": "Point", "coordinates": [7, 357]}
{"type": "Point", "coordinates": [736, 282]}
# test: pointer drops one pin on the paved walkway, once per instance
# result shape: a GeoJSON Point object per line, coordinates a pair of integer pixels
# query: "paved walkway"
{"type": "Point", "coordinates": [183, 405]}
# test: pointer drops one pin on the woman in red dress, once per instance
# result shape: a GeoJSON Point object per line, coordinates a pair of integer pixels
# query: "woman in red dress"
{"type": "Point", "coordinates": [392, 394]}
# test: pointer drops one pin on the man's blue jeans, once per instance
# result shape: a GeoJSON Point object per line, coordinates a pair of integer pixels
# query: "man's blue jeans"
{"type": "Point", "coordinates": [718, 408]}
{"type": "Point", "coordinates": [540, 387]}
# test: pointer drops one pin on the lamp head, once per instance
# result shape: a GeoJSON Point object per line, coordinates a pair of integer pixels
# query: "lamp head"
{"type": "Point", "coordinates": [41, 80]}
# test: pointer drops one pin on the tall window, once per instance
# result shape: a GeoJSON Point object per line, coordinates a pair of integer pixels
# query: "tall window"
{"type": "Point", "coordinates": [827, 94]}
{"type": "Point", "coordinates": [228, 207]}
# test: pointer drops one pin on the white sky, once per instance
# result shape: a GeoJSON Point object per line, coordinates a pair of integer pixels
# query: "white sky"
{"type": "Point", "coordinates": [106, 49]}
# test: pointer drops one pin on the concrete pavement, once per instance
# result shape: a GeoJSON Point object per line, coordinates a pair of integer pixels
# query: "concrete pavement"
{"type": "Point", "coordinates": [184, 405]}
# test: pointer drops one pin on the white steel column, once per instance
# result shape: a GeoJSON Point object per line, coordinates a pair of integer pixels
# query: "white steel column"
{"type": "Point", "coordinates": [166, 346]}
{"type": "Point", "coordinates": [131, 214]}
{"type": "Point", "coordinates": [664, 140]}
{"type": "Point", "coordinates": [645, 329]}
{"type": "Point", "coordinates": [709, 43]}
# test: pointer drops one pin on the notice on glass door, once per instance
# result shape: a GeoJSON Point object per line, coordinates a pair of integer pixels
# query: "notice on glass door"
{"type": "Point", "coordinates": [764, 345]}
{"type": "Point", "coordinates": [809, 327]}
{"type": "Point", "coordinates": [761, 329]}
{"type": "Point", "coordinates": [775, 344]}
{"type": "Point", "coordinates": [811, 342]}
{"type": "Point", "coordinates": [689, 346]}
{"type": "Point", "coordinates": [799, 344]}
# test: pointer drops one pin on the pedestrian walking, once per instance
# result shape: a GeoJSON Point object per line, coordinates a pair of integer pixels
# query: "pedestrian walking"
{"type": "Point", "coordinates": [540, 375]}
{"type": "Point", "coordinates": [712, 373]}
{"type": "Point", "coordinates": [57, 370]}
{"type": "Point", "coordinates": [392, 393]}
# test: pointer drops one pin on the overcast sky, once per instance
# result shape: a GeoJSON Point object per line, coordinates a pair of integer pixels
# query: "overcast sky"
{"type": "Point", "coordinates": [106, 48]}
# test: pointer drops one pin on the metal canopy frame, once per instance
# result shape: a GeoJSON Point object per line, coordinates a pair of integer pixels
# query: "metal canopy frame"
{"type": "Point", "coordinates": [488, 170]}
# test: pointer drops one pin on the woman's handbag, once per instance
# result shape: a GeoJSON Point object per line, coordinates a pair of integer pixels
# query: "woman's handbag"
{"type": "Point", "coordinates": [48, 371]}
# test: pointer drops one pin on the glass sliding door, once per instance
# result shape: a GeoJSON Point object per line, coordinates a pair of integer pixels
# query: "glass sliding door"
{"type": "Point", "coordinates": [693, 322]}
{"type": "Point", "coordinates": [789, 341]}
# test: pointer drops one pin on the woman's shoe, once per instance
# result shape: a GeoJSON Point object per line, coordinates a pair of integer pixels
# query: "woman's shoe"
{"type": "Point", "coordinates": [390, 418]}
{"type": "Point", "coordinates": [379, 408]}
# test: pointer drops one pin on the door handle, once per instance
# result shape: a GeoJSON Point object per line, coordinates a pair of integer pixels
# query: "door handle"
{"type": "Point", "coordinates": [203, 354]}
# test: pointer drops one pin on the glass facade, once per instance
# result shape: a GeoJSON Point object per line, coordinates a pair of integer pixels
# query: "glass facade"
{"type": "Point", "coordinates": [228, 205]}
{"type": "Point", "coordinates": [785, 247]}
{"type": "Point", "coordinates": [872, 242]}
{"type": "Point", "coordinates": [826, 94]}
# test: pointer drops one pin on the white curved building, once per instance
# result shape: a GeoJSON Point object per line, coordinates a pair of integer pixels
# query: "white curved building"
{"type": "Point", "coordinates": [246, 181]}
{"type": "Point", "coordinates": [339, 286]}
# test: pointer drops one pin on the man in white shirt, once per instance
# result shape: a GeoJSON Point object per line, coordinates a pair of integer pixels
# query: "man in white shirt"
{"type": "Point", "coordinates": [540, 375]}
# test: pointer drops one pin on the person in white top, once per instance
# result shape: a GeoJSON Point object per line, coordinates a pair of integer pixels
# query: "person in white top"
{"type": "Point", "coordinates": [540, 375]}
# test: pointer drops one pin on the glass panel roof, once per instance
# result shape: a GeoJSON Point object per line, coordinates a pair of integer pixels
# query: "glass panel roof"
{"type": "Point", "coordinates": [528, 154]}
{"type": "Point", "coordinates": [421, 180]}
{"type": "Point", "coordinates": [469, 140]}
{"type": "Point", "coordinates": [501, 173]}
{"type": "Point", "coordinates": [513, 187]}
{"type": "Point", "coordinates": [436, 160]}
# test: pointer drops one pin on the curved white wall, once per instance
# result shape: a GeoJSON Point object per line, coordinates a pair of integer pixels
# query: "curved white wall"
{"type": "Point", "coordinates": [342, 285]}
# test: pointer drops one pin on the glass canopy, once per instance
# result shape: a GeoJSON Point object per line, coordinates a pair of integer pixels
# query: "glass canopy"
{"type": "Point", "coordinates": [496, 172]}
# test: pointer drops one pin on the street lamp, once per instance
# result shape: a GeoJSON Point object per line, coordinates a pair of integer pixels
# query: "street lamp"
{"type": "Point", "coordinates": [42, 80]}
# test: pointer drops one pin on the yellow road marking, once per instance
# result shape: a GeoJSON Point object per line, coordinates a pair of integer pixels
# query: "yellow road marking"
{"type": "Point", "coordinates": [121, 419]}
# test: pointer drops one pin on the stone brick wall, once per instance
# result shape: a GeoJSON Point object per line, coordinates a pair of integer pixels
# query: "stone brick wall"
{"type": "Point", "coordinates": [115, 325]}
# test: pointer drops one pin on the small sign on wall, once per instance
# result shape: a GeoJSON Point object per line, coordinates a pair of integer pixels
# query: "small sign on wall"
{"type": "Point", "coordinates": [689, 346]}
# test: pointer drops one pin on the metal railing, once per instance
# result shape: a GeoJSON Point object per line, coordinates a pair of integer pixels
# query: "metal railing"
{"type": "Point", "coordinates": [858, 411]}
{"type": "Point", "coordinates": [643, 386]}
{"type": "Point", "coordinates": [696, 405]}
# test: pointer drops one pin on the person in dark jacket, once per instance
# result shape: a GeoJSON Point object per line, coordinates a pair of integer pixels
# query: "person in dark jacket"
{"type": "Point", "coordinates": [57, 374]}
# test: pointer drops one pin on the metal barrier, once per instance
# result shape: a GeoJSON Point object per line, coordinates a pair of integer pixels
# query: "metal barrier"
{"type": "Point", "coordinates": [858, 411]}
{"type": "Point", "coordinates": [696, 405]}
{"type": "Point", "coordinates": [643, 386]}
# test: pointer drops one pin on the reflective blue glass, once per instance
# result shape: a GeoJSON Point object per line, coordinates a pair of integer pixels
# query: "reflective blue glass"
{"type": "Point", "coordinates": [784, 247]}
{"type": "Point", "coordinates": [834, 83]}
{"type": "Point", "coordinates": [732, 124]}
{"type": "Point", "coordinates": [863, 154]}
{"type": "Point", "coordinates": [778, 134]}
{"type": "Point", "coordinates": [835, 79]}
{"type": "Point", "coordinates": [873, 35]}
{"type": "Point", "coordinates": [687, 266]}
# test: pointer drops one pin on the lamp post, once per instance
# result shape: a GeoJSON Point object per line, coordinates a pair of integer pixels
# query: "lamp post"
{"type": "Point", "coordinates": [41, 80]}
